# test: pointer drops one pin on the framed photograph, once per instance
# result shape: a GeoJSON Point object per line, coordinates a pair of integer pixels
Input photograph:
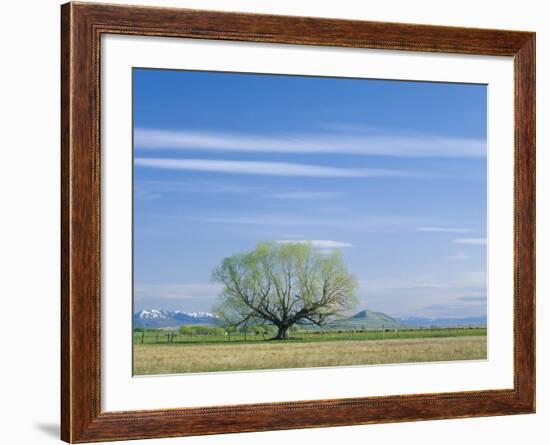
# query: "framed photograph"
{"type": "Point", "coordinates": [274, 222]}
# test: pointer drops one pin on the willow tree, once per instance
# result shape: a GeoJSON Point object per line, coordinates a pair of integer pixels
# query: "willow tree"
{"type": "Point", "coordinates": [284, 285]}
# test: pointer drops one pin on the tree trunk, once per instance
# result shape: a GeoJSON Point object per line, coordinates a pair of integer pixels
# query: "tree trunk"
{"type": "Point", "coordinates": [282, 333]}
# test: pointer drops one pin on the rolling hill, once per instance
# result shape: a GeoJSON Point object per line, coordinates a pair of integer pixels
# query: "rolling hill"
{"type": "Point", "coordinates": [367, 319]}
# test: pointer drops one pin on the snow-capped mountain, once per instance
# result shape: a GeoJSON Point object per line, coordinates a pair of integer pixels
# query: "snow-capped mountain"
{"type": "Point", "coordinates": [156, 318]}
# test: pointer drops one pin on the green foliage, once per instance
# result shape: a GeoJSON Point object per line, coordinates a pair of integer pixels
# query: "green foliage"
{"type": "Point", "coordinates": [283, 285]}
{"type": "Point", "coordinates": [201, 330]}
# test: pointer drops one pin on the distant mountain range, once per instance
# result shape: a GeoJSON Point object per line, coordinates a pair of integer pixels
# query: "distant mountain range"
{"type": "Point", "coordinates": [365, 319]}
{"type": "Point", "coordinates": [155, 318]}
{"type": "Point", "coordinates": [421, 322]}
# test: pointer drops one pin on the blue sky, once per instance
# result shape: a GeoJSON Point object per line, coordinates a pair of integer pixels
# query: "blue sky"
{"type": "Point", "coordinates": [393, 173]}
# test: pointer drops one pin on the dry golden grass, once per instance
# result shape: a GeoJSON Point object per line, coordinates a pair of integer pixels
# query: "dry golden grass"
{"type": "Point", "coordinates": [175, 359]}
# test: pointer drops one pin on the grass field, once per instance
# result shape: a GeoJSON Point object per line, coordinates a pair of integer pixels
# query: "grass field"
{"type": "Point", "coordinates": [159, 336]}
{"type": "Point", "coordinates": [183, 355]}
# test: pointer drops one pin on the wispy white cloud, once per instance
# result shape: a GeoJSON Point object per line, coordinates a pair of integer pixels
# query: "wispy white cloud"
{"type": "Point", "coordinates": [364, 223]}
{"type": "Point", "coordinates": [153, 189]}
{"type": "Point", "coordinates": [335, 142]}
{"type": "Point", "coordinates": [269, 168]}
{"type": "Point", "coordinates": [471, 241]}
{"type": "Point", "coordinates": [474, 299]}
{"type": "Point", "coordinates": [463, 282]}
{"type": "Point", "coordinates": [413, 295]}
{"type": "Point", "coordinates": [177, 291]}
{"type": "Point", "coordinates": [459, 256]}
{"type": "Point", "coordinates": [454, 310]}
{"type": "Point", "coordinates": [145, 195]}
{"type": "Point", "coordinates": [444, 229]}
{"type": "Point", "coordinates": [304, 195]}
{"type": "Point", "coordinates": [261, 220]}
{"type": "Point", "coordinates": [194, 187]}
{"type": "Point", "coordinates": [319, 243]}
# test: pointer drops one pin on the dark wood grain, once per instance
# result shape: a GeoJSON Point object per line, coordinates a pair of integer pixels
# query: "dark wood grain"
{"type": "Point", "coordinates": [65, 227]}
{"type": "Point", "coordinates": [81, 28]}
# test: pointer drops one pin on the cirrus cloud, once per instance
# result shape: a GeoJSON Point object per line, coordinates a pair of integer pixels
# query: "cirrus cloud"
{"type": "Point", "coordinates": [471, 241]}
{"type": "Point", "coordinates": [444, 229]}
{"type": "Point", "coordinates": [357, 143]}
{"type": "Point", "coordinates": [319, 243]}
{"type": "Point", "coordinates": [269, 168]}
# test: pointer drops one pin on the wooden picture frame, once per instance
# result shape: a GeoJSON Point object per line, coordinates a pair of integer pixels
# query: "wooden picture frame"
{"type": "Point", "coordinates": [82, 25]}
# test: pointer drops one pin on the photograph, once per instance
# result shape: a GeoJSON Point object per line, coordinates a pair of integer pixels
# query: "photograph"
{"type": "Point", "coordinates": [290, 221]}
